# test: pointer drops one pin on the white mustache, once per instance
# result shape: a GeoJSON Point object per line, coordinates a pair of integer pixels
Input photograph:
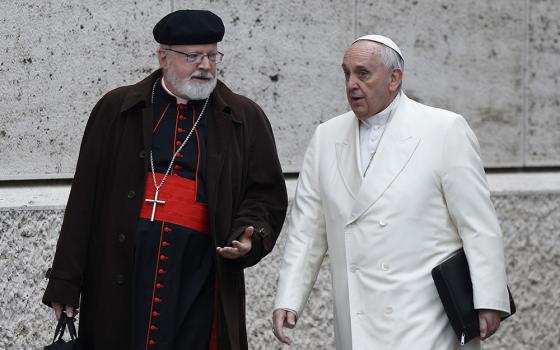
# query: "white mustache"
{"type": "Point", "coordinates": [201, 74]}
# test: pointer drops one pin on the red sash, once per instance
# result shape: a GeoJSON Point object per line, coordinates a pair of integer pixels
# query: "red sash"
{"type": "Point", "coordinates": [180, 207]}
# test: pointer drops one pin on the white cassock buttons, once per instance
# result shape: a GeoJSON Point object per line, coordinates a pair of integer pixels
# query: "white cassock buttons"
{"type": "Point", "coordinates": [385, 267]}
{"type": "Point", "coordinates": [388, 310]}
{"type": "Point", "coordinates": [382, 223]}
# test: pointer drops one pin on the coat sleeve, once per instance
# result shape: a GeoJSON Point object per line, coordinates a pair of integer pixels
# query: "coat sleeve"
{"type": "Point", "coordinates": [66, 274]}
{"type": "Point", "coordinates": [265, 200]}
{"type": "Point", "coordinates": [468, 201]}
{"type": "Point", "coordinates": [306, 243]}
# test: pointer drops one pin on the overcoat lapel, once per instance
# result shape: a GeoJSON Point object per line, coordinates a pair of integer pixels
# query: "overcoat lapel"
{"type": "Point", "coordinates": [141, 94]}
{"type": "Point", "coordinates": [147, 132]}
{"type": "Point", "coordinates": [347, 155]}
{"type": "Point", "coordinates": [395, 150]}
{"type": "Point", "coordinates": [219, 135]}
{"type": "Point", "coordinates": [220, 129]}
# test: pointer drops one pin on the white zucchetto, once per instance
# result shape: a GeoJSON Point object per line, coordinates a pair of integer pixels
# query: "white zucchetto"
{"type": "Point", "coordinates": [382, 40]}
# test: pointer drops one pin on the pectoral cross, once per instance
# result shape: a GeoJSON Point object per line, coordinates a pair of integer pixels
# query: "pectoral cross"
{"type": "Point", "coordinates": [155, 202]}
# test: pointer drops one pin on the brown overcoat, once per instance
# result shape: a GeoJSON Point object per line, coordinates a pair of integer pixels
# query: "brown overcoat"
{"type": "Point", "coordinates": [93, 264]}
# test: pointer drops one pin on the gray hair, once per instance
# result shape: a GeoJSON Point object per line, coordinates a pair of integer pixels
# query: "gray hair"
{"type": "Point", "coordinates": [391, 59]}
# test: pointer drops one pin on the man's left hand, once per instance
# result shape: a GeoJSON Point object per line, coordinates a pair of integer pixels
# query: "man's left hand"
{"type": "Point", "coordinates": [489, 321]}
{"type": "Point", "coordinates": [239, 247]}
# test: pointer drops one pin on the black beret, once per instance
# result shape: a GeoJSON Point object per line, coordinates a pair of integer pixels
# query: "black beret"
{"type": "Point", "coordinates": [189, 27]}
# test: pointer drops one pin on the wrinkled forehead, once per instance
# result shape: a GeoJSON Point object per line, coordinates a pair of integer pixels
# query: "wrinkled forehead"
{"type": "Point", "coordinates": [362, 52]}
{"type": "Point", "coordinates": [365, 45]}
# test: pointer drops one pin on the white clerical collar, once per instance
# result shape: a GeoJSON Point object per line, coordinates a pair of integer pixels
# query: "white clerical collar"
{"type": "Point", "coordinates": [180, 100]}
{"type": "Point", "coordinates": [382, 117]}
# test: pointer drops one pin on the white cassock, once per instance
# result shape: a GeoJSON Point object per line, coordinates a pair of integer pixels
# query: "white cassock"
{"type": "Point", "coordinates": [424, 196]}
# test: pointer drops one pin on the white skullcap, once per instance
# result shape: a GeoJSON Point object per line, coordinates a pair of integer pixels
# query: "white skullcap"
{"type": "Point", "coordinates": [382, 40]}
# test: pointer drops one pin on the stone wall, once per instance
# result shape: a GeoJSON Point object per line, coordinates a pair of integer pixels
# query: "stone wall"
{"type": "Point", "coordinates": [530, 221]}
{"type": "Point", "coordinates": [495, 62]}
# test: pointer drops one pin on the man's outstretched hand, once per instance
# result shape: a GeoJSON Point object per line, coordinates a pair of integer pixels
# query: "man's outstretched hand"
{"type": "Point", "coordinates": [240, 247]}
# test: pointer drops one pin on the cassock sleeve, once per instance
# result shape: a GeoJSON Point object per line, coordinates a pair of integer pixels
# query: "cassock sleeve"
{"type": "Point", "coordinates": [306, 244]}
{"type": "Point", "coordinates": [467, 195]}
{"type": "Point", "coordinates": [265, 201]}
{"type": "Point", "coordinates": [66, 274]}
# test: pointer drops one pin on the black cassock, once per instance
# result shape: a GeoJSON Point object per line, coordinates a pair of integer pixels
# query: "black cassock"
{"type": "Point", "coordinates": [174, 296]}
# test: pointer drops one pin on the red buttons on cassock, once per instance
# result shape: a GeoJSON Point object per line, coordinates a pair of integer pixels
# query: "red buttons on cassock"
{"type": "Point", "coordinates": [182, 117]}
{"type": "Point", "coordinates": [157, 300]}
{"type": "Point", "coordinates": [159, 285]}
{"type": "Point", "coordinates": [161, 271]}
{"type": "Point", "coordinates": [152, 342]}
{"type": "Point", "coordinates": [163, 257]}
{"type": "Point", "coordinates": [177, 167]}
{"type": "Point", "coordinates": [153, 328]}
{"type": "Point", "coordinates": [165, 244]}
{"type": "Point", "coordinates": [180, 130]}
{"type": "Point", "coordinates": [179, 155]}
{"type": "Point", "coordinates": [167, 229]}
{"type": "Point", "coordinates": [178, 143]}
{"type": "Point", "coordinates": [155, 314]}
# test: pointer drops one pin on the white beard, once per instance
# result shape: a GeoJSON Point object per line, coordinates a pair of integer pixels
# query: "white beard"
{"type": "Point", "coordinates": [189, 89]}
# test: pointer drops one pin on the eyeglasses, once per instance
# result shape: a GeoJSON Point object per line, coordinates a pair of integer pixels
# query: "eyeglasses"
{"type": "Point", "coordinates": [197, 57]}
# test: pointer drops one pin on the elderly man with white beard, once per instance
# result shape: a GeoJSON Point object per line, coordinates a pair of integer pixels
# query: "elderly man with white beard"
{"type": "Point", "coordinates": [178, 188]}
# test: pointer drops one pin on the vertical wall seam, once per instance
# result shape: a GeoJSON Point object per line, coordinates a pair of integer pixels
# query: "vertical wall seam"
{"type": "Point", "coordinates": [355, 19]}
{"type": "Point", "coordinates": [525, 130]}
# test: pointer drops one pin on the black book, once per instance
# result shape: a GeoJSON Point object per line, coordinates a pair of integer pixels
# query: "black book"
{"type": "Point", "coordinates": [454, 286]}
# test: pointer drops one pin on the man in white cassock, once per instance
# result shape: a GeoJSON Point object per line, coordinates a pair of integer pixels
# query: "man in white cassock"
{"type": "Point", "coordinates": [390, 190]}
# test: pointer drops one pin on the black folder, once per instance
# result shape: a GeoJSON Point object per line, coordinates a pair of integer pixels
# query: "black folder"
{"type": "Point", "coordinates": [454, 286]}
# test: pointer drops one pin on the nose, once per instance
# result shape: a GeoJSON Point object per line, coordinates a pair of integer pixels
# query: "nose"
{"type": "Point", "coordinates": [205, 64]}
{"type": "Point", "coordinates": [351, 83]}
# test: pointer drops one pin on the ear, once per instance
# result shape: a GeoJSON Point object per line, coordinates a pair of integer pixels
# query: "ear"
{"type": "Point", "coordinates": [162, 58]}
{"type": "Point", "coordinates": [396, 79]}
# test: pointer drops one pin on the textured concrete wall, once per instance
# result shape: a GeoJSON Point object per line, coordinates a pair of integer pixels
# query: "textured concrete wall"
{"type": "Point", "coordinates": [467, 56]}
{"type": "Point", "coordinates": [59, 57]}
{"type": "Point", "coordinates": [530, 221]}
{"type": "Point", "coordinates": [496, 62]}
